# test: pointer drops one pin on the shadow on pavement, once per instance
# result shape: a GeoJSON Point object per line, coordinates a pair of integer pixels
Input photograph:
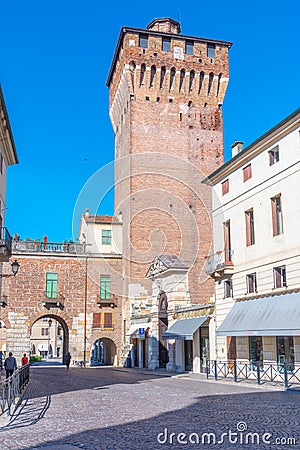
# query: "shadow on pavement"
{"type": "Point", "coordinates": [74, 379]}
{"type": "Point", "coordinates": [252, 414]}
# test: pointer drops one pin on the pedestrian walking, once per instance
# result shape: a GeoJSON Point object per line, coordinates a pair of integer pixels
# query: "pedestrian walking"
{"type": "Point", "coordinates": [10, 365]}
{"type": "Point", "coordinates": [1, 359]}
{"type": "Point", "coordinates": [68, 360]}
{"type": "Point", "coordinates": [24, 360]}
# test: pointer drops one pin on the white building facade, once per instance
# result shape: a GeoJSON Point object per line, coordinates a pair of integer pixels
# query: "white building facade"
{"type": "Point", "coordinates": [256, 260]}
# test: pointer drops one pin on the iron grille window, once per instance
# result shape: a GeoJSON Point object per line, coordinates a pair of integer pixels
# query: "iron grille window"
{"type": "Point", "coordinates": [51, 285]}
{"type": "Point", "coordinates": [279, 274]}
{"type": "Point", "coordinates": [105, 287]}
{"type": "Point", "coordinates": [106, 237]}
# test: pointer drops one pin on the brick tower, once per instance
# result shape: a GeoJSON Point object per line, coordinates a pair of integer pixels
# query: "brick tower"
{"type": "Point", "coordinates": [166, 96]}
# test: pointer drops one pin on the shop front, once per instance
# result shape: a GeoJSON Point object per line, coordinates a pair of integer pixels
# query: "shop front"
{"type": "Point", "coordinates": [264, 331]}
{"type": "Point", "coordinates": [188, 343]}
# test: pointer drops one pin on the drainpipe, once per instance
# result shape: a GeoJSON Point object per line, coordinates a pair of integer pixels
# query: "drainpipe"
{"type": "Point", "coordinates": [84, 313]}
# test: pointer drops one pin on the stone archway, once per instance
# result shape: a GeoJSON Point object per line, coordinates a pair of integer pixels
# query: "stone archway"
{"type": "Point", "coordinates": [61, 334]}
{"type": "Point", "coordinates": [103, 352]}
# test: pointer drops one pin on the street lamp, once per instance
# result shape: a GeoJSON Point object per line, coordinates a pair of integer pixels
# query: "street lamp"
{"type": "Point", "coordinates": [14, 268]}
{"type": "Point", "coordinates": [49, 325]}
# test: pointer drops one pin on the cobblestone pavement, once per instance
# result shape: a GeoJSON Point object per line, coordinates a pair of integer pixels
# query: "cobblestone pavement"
{"type": "Point", "coordinates": [113, 408]}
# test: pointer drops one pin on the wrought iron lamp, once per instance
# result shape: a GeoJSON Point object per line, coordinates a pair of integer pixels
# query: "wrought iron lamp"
{"type": "Point", "coordinates": [14, 268]}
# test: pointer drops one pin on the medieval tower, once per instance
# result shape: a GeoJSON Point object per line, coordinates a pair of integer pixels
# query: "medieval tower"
{"type": "Point", "coordinates": [166, 96]}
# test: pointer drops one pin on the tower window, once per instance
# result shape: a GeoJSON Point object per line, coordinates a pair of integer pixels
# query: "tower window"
{"type": "Point", "coordinates": [211, 50]}
{"type": "Point", "coordinates": [228, 291]}
{"type": "Point", "coordinates": [279, 274]}
{"type": "Point", "coordinates": [250, 235]}
{"type": "Point", "coordinates": [166, 44]}
{"type": "Point", "coordinates": [106, 237]}
{"type": "Point", "coordinates": [143, 41]}
{"type": "Point", "coordinates": [225, 187]}
{"type": "Point", "coordinates": [189, 47]}
{"type": "Point", "coordinates": [51, 285]}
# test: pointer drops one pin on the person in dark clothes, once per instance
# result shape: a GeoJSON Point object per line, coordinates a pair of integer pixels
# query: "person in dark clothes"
{"type": "Point", "coordinates": [10, 365]}
{"type": "Point", "coordinates": [68, 360]}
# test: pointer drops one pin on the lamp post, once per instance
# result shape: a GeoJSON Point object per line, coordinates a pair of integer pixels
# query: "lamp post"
{"type": "Point", "coordinates": [14, 268]}
{"type": "Point", "coordinates": [49, 327]}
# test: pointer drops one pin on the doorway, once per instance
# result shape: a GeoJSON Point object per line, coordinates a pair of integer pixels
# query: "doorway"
{"type": "Point", "coordinates": [188, 355]}
{"type": "Point", "coordinates": [103, 353]}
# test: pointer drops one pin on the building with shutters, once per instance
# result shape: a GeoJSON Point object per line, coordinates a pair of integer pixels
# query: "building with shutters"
{"type": "Point", "coordinates": [256, 260]}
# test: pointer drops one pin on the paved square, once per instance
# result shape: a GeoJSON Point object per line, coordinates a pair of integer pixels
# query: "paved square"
{"type": "Point", "coordinates": [113, 408]}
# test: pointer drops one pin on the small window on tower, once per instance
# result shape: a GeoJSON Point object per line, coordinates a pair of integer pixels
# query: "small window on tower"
{"type": "Point", "coordinates": [166, 44]}
{"type": "Point", "coordinates": [143, 41]}
{"type": "Point", "coordinates": [189, 47]}
{"type": "Point", "coordinates": [211, 50]}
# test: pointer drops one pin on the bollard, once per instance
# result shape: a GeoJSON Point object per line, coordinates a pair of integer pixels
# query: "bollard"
{"type": "Point", "coordinates": [235, 371]}
{"type": "Point", "coordinates": [215, 369]}
{"type": "Point", "coordinates": [258, 372]}
{"type": "Point", "coordinates": [286, 381]}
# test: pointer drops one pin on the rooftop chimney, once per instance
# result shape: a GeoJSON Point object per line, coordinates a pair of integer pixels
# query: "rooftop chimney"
{"type": "Point", "coordinates": [236, 148]}
{"type": "Point", "coordinates": [87, 213]}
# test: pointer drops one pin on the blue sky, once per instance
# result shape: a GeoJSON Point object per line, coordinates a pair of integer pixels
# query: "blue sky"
{"type": "Point", "coordinates": [55, 57]}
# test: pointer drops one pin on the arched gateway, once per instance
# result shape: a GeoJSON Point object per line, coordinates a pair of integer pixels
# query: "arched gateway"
{"type": "Point", "coordinates": [103, 352]}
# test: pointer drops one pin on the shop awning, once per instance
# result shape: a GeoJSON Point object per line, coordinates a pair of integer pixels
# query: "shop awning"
{"type": "Point", "coordinates": [134, 330]}
{"type": "Point", "coordinates": [268, 316]}
{"type": "Point", "coordinates": [184, 328]}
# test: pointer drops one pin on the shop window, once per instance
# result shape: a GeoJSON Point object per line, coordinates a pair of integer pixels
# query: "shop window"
{"type": "Point", "coordinates": [104, 287]}
{"type": "Point", "coordinates": [247, 172]}
{"type": "Point", "coordinates": [256, 350]}
{"type": "Point", "coordinates": [106, 237]}
{"type": "Point", "coordinates": [250, 236]}
{"type": "Point", "coordinates": [279, 274]}
{"type": "Point", "coordinates": [277, 221]}
{"type": "Point", "coordinates": [274, 156]}
{"type": "Point", "coordinates": [285, 352]}
{"type": "Point", "coordinates": [166, 44]}
{"type": "Point", "coordinates": [51, 285]}
{"type": "Point", "coordinates": [228, 291]}
{"type": "Point", "coordinates": [251, 283]}
{"type": "Point", "coordinates": [143, 41]}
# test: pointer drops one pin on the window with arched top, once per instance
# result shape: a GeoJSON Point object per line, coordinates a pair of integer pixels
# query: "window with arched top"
{"type": "Point", "coordinates": [201, 79]}
{"type": "Point", "coordinates": [143, 71]}
{"type": "Point", "coordinates": [132, 67]}
{"type": "Point", "coordinates": [172, 77]}
{"type": "Point", "coordinates": [210, 82]}
{"type": "Point", "coordinates": [219, 83]}
{"type": "Point", "coordinates": [162, 77]}
{"type": "Point", "coordinates": [192, 77]}
{"type": "Point", "coordinates": [152, 75]}
{"type": "Point", "coordinates": [182, 77]}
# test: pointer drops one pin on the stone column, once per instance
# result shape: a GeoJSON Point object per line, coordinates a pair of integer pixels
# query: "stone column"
{"type": "Point", "coordinates": [171, 366]}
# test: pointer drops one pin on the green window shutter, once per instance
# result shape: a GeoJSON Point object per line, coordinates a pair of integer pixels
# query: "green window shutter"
{"type": "Point", "coordinates": [51, 285]}
{"type": "Point", "coordinates": [105, 287]}
{"type": "Point", "coordinates": [106, 237]}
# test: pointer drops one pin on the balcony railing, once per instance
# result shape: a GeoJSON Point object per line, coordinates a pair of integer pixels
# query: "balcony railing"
{"type": "Point", "coordinates": [111, 302]}
{"type": "Point", "coordinates": [5, 243]}
{"type": "Point", "coordinates": [48, 247]}
{"type": "Point", "coordinates": [219, 262]}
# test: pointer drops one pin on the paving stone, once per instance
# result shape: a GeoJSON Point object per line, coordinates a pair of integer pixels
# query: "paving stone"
{"type": "Point", "coordinates": [111, 408]}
